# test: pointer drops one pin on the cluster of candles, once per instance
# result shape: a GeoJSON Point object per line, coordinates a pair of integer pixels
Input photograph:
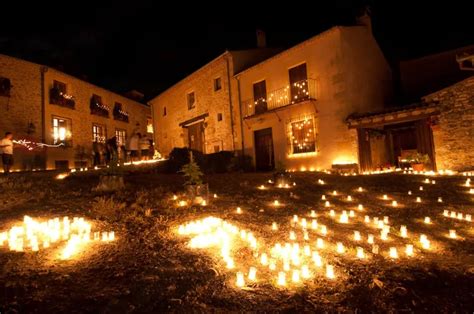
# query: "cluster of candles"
{"type": "Point", "coordinates": [33, 235]}
{"type": "Point", "coordinates": [455, 215]}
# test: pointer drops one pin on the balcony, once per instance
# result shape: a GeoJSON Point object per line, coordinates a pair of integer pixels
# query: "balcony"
{"type": "Point", "coordinates": [56, 97]}
{"type": "Point", "coordinates": [99, 109]}
{"type": "Point", "coordinates": [298, 92]}
{"type": "Point", "coordinates": [120, 115]}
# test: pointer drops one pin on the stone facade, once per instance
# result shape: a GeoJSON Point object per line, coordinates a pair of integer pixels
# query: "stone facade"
{"type": "Point", "coordinates": [453, 133]}
{"type": "Point", "coordinates": [31, 106]}
{"type": "Point", "coordinates": [346, 73]}
{"type": "Point", "coordinates": [216, 108]}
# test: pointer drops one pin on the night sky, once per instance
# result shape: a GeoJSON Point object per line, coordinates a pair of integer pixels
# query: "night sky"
{"type": "Point", "coordinates": [148, 46]}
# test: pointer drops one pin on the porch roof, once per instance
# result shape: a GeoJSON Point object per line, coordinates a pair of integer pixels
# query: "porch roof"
{"type": "Point", "coordinates": [392, 115]}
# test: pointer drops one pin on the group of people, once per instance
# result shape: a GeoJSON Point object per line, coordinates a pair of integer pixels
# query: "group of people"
{"type": "Point", "coordinates": [138, 147]}
{"type": "Point", "coordinates": [6, 148]}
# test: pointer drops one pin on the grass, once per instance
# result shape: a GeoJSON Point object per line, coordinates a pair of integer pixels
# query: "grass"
{"type": "Point", "coordinates": [150, 268]}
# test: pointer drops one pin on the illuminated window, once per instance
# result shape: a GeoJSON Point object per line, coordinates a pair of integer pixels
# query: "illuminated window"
{"type": "Point", "coordinates": [61, 131]}
{"type": "Point", "coordinates": [302, 137]}
{"type": "Point", "coordinates": [121, 136]}
{"type": "Point", "coordinates": [191, 99]}
{"type": "Point", "coordinates": [149, 125]}
{"type": "Point", "coordinates": [99, 133]}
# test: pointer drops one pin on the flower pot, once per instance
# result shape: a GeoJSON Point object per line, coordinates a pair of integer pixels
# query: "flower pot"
{"type": "Point", "coordinates": [418, 167]}
{"type": "Point", "coordinates": [197, 193]}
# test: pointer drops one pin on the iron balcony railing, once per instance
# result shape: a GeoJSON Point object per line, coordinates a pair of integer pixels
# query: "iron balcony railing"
{"type": "Point", "coordinates": [291, 94]}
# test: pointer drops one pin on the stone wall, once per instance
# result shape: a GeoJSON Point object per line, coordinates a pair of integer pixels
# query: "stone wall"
{"type": "Point", "coordinates": [454, 133]}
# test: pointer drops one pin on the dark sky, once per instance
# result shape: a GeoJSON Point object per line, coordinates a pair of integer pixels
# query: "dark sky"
{"type": "Point", "coordinates": [148, 46]}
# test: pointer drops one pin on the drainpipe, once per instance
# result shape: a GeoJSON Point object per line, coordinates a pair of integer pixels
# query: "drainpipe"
{"type": "Point", "coordinates": [241, 118]}
{"type": "Point", "coordinates": [230, 102]}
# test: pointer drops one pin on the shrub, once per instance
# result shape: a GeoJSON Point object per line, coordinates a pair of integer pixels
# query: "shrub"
{"type": "Point", "coordinates": [219, 162]}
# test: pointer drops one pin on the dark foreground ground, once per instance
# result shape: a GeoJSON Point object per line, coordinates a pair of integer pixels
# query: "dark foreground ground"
{"type": "Point", "coordinates": [149, 268]}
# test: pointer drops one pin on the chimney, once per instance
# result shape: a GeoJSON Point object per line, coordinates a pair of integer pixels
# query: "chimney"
{"type": "Point", "coordinates": [261, 39]}
{"type": "Point", "coordinates": [365, 19]}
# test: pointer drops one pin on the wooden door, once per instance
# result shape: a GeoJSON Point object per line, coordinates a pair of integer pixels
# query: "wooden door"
{"type": "Point", "coordinates": [365, 154]}
{"type": "Point", "coordinates": [196, 136]}
{"type": "Point", "coordinates": [298, 83]}
{"type": "Point", "coordinates": [260, 97]}
{"type": "Point", "coordinates": [424, 140]}
{"type": "Point", "coordinates": [264, 157]}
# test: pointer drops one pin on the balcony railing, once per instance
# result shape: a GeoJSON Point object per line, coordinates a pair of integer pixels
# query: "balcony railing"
{"type": "Point", "coordinates": [120, 115]}
{"type": "Point", "coordinates": [290, 94]}
{"type": "Point", "coordinates": [99, 109]}
{"type": "Point", "coordinates": [59, 98]}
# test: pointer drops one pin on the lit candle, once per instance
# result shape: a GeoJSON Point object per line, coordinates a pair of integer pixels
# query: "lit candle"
{"type": "Point", "coordinates": [317, 259]}
{"type": "Point", "coordinates": [215, 195]}
{"type": "Point", "coordinates": [418, 199]}
{"type": "Point", "coordinates": [426, 244]}
{"type": "Point", "coordinates": [203, 203]}
{"type": "Point", "coordinates": [276, 203]}
{"type": "Point", "coordinates": [111, 236]}
{"type": "Point", "coordinates": [427, 220]}
{"type": "Point", "coordinates": [323, 197]}
{"type": "Point", "coordinates": [252, 273]}
{"type": "Point", "coordinates": [262, 187]}
{"type": "Point", "coordinates": [324, 230]}
{"type": "Point", "coordinates": [453, 214]}
{"type": "Point", "coordinates": [334, 192]}
{"type": "Point", "coordinates": [104, 236]}
{"type": "Point", "coordinates": [409, 250]}
{"type": "Point", "coordinates": [182, 203]}
{"type": "Point", "coordinates": [314, 224]}
{"type": "Point", "coordinates": [264, 259]}
{"type": "Point", "coordinates": [175, 197]}
{"type": "Point", "coordinates": [286, 265]}
{"type": "Point", "coordinates": [427, 180]}
{"type": "Point", "coordinates": [421, 188]}
{"type": "Point", "coordinates": [393, 252]}
{"type": "Point", "coordinates": [367, 219]}
{"type": "Point", "coordinates": [327, 204]}
{"type": "Point", "coordinates": [305, 236]}
{"type": "Point", "coordinates": [370, 239]}
{"type": "Point", "coordinates": [360, 207]}
{"type": "Point", "coordinates": [281, 279]}
{"type": "Point", "coordinates": [305, 271]}
{"type": "Point", "coordinates": [239, 210]}
{"type": "Point", "coordinates": [452, 234]}
{"type": "Point", "coordinates": [360, 252]}
{"type": "Point", "coordinates": [307, 250]}
{"type": "Point", "coordinates": [440, 199]}
{"type": "Point", "coordinates": [272, 265]}
{"type": "Point", "coordinates": [330, 271]}
{"type": "Point", "coordinates": [468, 217]}
{"type": "Point", "coordinates": [295, 218]}
{"type": "Point", "coordinates": [403, 231]}
{"type": "Point", "coordinates": [471, 191]}
{"type": "Point", "coordinates": [383, 235]}
{"type": "Point", "coordinates": [340, 248]}
{"type": "Point", "coordinates": [292, 235]}
{"type": "Point", "coordinates": [313, 213]}
{"type": "Point", "coordinates": [409, 192]}
{"type": "Point", "coordinates": [394, 203]}
{"type": "Point", "coordinates": [385, 220]}
{"type": "Point", "coordinates": [351, 213]}
{"type": "Point", "coordinates": [385, 197]}
{"type": "Point", "coordinates": [357, 236]}
{"type": "Point", "coordinates": [274, 226]}
{"type": "Point", "coordinates": [240, 279]}
{"type": "Point", "coordinates": [296, 276]}
{"type": "Point", "coordinates": [332, 213]}
{"type": "Point", "coordinates": [344, 218]}
{"type": "Point", "coordinates": [304, 224]}
{"type": "Point", "coordinates": [360, 189]}
{"type": "Point", "coordinates": [230, 263]}
{"type": "Point", "coordinates": [319, 243]}
{"type": "Point", "coordinates": [433, 182]}
{"type": "Point", "coordinates": [459, 216]}
{"type": "Point", "coordinates": [446, 213]}
{"type": "Point", "coordinates": [349, 198]}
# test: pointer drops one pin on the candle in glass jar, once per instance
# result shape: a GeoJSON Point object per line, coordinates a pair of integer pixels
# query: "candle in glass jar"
{"type": "Point", "coordinates": [403, 231]}
{"type": "Point", "coordinates": [360, 252]}
{"type": "Point", "coordinates": [240, 282]}
{"type": "Point", "coordinates": [370, 239]}
{"type": "Point", "coordinates": [452, 234]}
{"type": "Point", "coordinates": [330, 271]}
{"type": "Point", "coordinates": [356, 235]}
{"type": "Point", "coordinates": [418, 199]}
{"type": "Point", "coordinates": [427, 220]}
{"type": "Point", "coordinates": [393, 252]}
{"type": "Point", "coordinates": [281, 279]}
{"type": "Point", "coordinates": [409, 250]}
{"type": "Point", "coordinates": [360, 207]}
{"type": "Point", "coordinates": [252, 273]}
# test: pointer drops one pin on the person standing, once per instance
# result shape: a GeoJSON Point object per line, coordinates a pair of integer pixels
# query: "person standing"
{"type": "Point", "coordinates": [6, 148]}
{"type": "Point", "coordinates": [133, 146]}
{"type": "Point", "coordinates": [144, 147]}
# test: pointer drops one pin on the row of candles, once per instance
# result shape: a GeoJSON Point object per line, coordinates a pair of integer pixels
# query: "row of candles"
{"type": "Point", "coordinates": [34, 234]}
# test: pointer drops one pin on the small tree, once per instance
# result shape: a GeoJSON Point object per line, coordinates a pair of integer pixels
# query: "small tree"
{"type": "Point", "coordinates": [192, 172]}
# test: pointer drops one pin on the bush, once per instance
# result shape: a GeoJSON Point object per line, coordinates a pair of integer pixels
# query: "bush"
{"type": "Point", "coordinates": [180, 157]}
{"type": "Point", "coordinates": [218, 162]}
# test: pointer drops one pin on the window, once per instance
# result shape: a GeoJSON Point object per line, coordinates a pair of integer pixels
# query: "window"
{"type": "Point", "coordinates": [99, 133]}
{"type": "Point", "coordinates": [119, 113]}
{"type": "Point", "coordinates": [164, 111]}
{"type": "Point", "coordinates": [298, 83]}
{"type": "Point", "coordinates": [60, 87]}
{"type": "Point", "coordinates": [5, 86]}
{"type": "Point", "coordinates": [149, 125]}
{"type": "Point", "coordinates": [217, 84]}
{"type": "Point", "coordinates": [260, 97]}
{"type": "Point", "coordinates": [302, 137]}
{"type": "Point", "coordinates": [62, 133]}
{"type": "Point", "coordinates": [191, 100]}
{"type": "Point", "coordinates": [121, 136]}
{"type": "Point", "coordinates": [219, 117]}
{"type": "Point", "coordinates": [217, 148]}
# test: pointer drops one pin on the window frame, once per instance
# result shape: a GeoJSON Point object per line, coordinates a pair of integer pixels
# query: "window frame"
{"type": "Point", "coordinates": [217, 84]}
{"type": "Point", "coordinates": [117, 135]}
{"type": "Point", "coordinates": [220, 117]}
{"type": "Point", "coordinates": [295, 147]}
{"type": "Point", "coordinates": [189, 105]}
{"type": "Point", "coordinates": [94, 136]}
{"type": "Point", "coordinates": [67, 142]}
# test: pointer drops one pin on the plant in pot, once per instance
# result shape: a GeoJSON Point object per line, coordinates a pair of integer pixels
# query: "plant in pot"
{"type": "Point", "coordinates": [419, 161]}
{"type": "Point", "coordinates": [196, 190]}
{"type": "Point", "coordinates": [280, 176]}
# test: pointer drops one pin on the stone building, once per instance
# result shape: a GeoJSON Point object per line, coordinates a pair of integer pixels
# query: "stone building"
{"type": "Point", "coordinates": [44, 105]}
{"type": "Point", "coordinates": [202, 110]}
{"type": "Point", "coordinates": [294, 104]}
